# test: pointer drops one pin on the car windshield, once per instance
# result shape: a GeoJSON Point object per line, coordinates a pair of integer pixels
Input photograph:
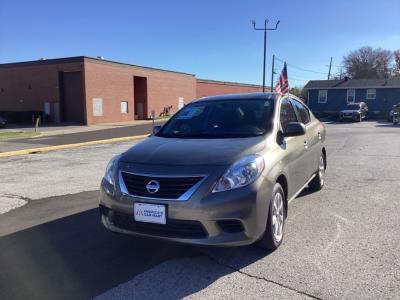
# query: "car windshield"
{"type": "Point", "coordinates": [221, 119]}
{"type": "Point", "coordinates": [353, 106]}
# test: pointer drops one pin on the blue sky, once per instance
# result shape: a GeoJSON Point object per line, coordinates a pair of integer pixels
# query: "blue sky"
{"type": "Point", "coordinates": [212, 39]}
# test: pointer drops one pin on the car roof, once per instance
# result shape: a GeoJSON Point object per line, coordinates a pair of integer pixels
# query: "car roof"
{"type": "Point", "coordinates": [240, 96]}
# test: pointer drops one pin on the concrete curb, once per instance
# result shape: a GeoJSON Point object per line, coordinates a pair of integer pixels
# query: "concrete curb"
{"type": "Point", "coordinates": [70, 146]}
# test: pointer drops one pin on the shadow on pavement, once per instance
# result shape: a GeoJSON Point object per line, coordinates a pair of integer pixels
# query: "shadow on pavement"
{"type": "Point", "coordinates": [76, 258]}
{"type": "Point", "coordinates": [387, 125]}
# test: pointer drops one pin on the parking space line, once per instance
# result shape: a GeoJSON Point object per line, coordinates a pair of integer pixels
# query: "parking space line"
{"type": "Point", "coordinates": [70, 146]}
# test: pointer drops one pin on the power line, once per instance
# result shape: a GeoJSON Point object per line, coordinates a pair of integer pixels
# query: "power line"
{"type": "Point", "coordinates": [265, 29]}
{"type": "Point", "coordinates": [293, 77]}
{"type": "Point", "coordinates": [299, 68]}
{"type": "Point", "coordinates": [297, 79]}
{"type": "Point", "coordinates": [338, 66]}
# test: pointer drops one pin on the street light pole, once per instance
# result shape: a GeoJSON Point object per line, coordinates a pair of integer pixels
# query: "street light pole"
{"type": "Point", "coordinates": [265, 43]}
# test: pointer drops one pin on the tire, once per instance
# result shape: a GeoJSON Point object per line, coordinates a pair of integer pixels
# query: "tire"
{"type": "Point", "coordinates": [319, 180]}
{"type": "Point", "coordinates": [273, 234]}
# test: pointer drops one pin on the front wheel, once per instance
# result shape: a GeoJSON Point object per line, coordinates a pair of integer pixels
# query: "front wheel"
{"type": "Point", "coordinates": [319, 180]}
{"type": "Point", "coordinates": [273, 235]}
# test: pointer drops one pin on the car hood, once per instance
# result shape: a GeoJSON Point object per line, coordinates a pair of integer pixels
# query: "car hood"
{"type": "Point", "coordinates": [173, 151]}
{"type": "Point", "coordinates": [346, 111]}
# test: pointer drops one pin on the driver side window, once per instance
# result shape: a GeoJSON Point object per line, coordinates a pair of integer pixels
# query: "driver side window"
{"type": "Point", "coordinates": [287, 114]}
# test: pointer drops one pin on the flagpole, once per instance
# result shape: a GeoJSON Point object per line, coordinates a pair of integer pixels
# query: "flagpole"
{"type": "Point", "coordinates": [288, 86]}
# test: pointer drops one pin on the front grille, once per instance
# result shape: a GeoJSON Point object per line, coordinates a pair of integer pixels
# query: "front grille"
{"type": "Point", "coordinates": [170, 187]}
{"type": "Point", "coordinates": [231, 226]}
{"type": "Point", "coordinates": [184, 229]}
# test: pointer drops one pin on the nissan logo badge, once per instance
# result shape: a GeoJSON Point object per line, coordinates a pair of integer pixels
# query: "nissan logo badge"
{"type": "Point", "coordinates": [153, 186]}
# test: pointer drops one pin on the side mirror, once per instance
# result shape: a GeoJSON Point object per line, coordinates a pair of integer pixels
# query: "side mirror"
{"type": "Point", "coordinates": [295, 129]}
{"type": "Point", "coordinates": [156, 129]}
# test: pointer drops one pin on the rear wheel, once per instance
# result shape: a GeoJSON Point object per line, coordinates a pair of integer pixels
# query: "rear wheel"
{"type": "Point", "coordinates": [319, 180]}
{"type": "Point", "coordinates": [273, 235]}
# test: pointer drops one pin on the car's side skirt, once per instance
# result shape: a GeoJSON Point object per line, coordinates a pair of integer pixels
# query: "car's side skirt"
{"type": "Point", "coordinates": [302, 188]}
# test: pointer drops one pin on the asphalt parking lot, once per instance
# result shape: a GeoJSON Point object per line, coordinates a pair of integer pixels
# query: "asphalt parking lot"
{"type": "Point", "coordinates": [341, 242]}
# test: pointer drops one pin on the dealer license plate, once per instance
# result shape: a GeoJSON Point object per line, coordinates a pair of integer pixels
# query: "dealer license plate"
{"type": "Point", "coordinates": [151, 213]}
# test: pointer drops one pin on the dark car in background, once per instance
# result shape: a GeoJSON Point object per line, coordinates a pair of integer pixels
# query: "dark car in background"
{"type": "Point", "coordinates": [354, 112]}
{"type": "Point", "coordinates": [396, 115]}
{"type": "Point", "coordinates": [390, 114]}
{"type": "Point", "coordinates": [3, 122]}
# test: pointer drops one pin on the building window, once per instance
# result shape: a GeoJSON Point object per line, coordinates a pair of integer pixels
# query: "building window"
{"type": "Point", "coordinates": [371, 94]}
{"type": "Point", "coordinates": [97, 107]}
{"type": "Point", "coordinates": [124, 107]}
{"type": "Point", "coordinates": [351, 96]}
{"type": "Point", "coordinates": [322, 96]}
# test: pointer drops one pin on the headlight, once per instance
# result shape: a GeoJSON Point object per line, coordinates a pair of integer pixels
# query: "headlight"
{"type": "Point", "coordinates": [109, 176]}
{"type": "Point", "coordinates": [241, 173]}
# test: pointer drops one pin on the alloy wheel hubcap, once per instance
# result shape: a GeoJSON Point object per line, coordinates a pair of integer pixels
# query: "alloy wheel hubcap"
{"type": "Point", "coordinates": [321, 170]}
{"type": "Point", "coordinates": [277, 217]}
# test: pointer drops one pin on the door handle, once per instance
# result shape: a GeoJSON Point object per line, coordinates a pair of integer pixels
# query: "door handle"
{"type": "Point", "coordinates": [319, 135]}
{"type": "Point", "coordinates": [306, 144]}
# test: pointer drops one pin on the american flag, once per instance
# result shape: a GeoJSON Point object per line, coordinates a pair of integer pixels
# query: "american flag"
{"type": "Point", "coordinates": [283, 85]}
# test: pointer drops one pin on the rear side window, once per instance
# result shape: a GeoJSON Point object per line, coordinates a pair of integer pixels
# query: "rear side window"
{"type": "Point", "coordinates": [287, 114]}
{"type": "Point", "coordinates": [302, 110]}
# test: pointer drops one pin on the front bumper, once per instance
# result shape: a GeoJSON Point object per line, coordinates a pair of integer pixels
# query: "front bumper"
{"type": "Point", "coordinates": [350, 116]}
{"type": "Point", "coordinates": [232, 218]}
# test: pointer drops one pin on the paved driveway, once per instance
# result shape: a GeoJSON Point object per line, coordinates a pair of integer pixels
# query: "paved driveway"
{"type": "Point", "coordinates": [342, 242]}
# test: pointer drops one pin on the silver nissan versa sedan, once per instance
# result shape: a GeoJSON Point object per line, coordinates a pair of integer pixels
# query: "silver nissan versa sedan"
{"type": "Point", "coordinates": [220, 172]}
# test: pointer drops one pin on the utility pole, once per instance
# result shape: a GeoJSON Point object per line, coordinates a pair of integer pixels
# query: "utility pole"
{"type": "Point", "coordinates": [273, 72]}
{"type": "Point", "coordinates": [330, 67]}
{"type": "Point", "coordinates": [265, 29]}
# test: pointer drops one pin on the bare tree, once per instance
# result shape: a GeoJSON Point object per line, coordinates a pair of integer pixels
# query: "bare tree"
{"type": "Point", "coordinates": [299, 92]}
{"type": "Point", "coordinates": [396, 55]}
{"type": "Point", "coordinates": [367, 62]}
{"type": "Point", "coordinates": [383, 63]}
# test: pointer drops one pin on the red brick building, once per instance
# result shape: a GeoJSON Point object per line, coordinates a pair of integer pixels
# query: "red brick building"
{"type": "Point", "coordinates": [92, 90]}
{"type": "Point", "coordinates": [212, 87]}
